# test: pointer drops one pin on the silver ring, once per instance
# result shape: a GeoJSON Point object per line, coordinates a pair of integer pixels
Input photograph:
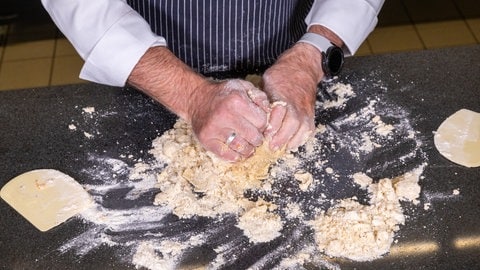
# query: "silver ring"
{"type": "Point", "coordinates": [231, 138]}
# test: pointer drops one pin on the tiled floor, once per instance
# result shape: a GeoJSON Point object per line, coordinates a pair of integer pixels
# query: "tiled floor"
{"type": "Point", "coordinates": [34, 54]}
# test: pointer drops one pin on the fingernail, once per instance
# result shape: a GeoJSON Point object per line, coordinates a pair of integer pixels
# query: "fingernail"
{"type": "Point", "coordinates": [259, 141]}
{"type": "Point", "coordinates": [266, 105]}
{"type": "Point", "coordinates": [275, 148]}
{"type": "Point", "coordinates": [235, 159]}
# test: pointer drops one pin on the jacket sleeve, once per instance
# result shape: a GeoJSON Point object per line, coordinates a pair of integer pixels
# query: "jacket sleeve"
{"type": "Point", "coordinates": [108, 34]}
{"type": "Point", "coordinates": [351, 20]}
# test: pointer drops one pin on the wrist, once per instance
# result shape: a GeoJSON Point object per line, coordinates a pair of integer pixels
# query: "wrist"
{"type": "Point", "coordinates": [325, 42]}
{"type": "Point", "coordinates": [295, 75]}
{"type": "Point", "coordinates": [311, 58]}
{"type": "Point", "coordinates": [327, 33]}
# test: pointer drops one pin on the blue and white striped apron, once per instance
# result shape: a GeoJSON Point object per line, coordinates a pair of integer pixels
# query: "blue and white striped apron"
{"type": "Point", "coordinates": [214, 36]}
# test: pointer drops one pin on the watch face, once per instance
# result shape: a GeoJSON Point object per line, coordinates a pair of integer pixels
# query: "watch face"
{"type": "Point", "coordinates": [334, 60]}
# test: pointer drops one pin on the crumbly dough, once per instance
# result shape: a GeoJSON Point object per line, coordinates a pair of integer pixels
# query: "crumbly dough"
{"type": "Point", "coordinates": [341, 92]}
{"type": "Point", "coordinates": [362, 179]}
{"type": "Point", "coordinates": [458, 138]}
{"type": "Point", "coordinates": [365, 232]}
{"type": "Point", "coordinates": [198, 183]}
{"type": "Point", "coordinates": [407, 187]}
{"type": "Point", "coordinates": [260, 224]}
{"type": "Point", "coordinates": [305, 179]}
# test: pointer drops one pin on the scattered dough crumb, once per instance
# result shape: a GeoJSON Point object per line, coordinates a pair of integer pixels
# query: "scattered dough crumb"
{"type": "Point", "coordinates": [259, 224]}
{"type": "Point", "coordinates": [72, 127]}
{"type": "Point", "coordinates": [259, 197]}
{"type": "Point", "coordinates": [427, 206]}
{"type": "Point", "coordinates": [341, 92]}
{"type": "Point", "coordinates": [407, 187]}
{"type": "Point", "coordinates": [382, 128]}
{"type": "Point", "coordinates": [153, 257]}
{"type": "Point", "coordinates": [88, 135]}
{"type": "Point", "coordinates": [88, 110]}
{"type": "Point", "coordinates": [456, 192]}
{"type": "Point", "coordinates": [294, 210]}
{"type": "Point", "coordinates": [305, 179]}
{"type": "Point", "coordinates": [362, 179]}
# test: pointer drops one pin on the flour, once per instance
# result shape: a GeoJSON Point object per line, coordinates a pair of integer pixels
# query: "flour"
{"type": "Point", "coordinates": [381, 128]}
{"type": "Point", "coordinates": [279, 198]}
{"type": "Point", "coordinates": [159, 256]}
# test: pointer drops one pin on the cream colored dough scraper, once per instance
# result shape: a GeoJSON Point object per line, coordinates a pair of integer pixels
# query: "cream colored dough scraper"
{"type": "Point", "coordinates": [458, 138]}
{"type": "Point", "coordinates": [46, 197]}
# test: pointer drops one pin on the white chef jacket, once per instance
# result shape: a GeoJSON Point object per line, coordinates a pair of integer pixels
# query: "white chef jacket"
{"type": "Point", "coordinates": [111, 36]}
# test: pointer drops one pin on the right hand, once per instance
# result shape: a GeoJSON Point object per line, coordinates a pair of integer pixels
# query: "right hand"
{"type": "Point", "coordinates": [219, 109]}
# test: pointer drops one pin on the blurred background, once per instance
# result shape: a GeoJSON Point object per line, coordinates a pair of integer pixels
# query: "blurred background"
{"type": "Point", "coordinates": [34, 53]}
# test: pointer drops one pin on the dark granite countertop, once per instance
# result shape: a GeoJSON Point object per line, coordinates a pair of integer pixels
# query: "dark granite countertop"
{"type": "Point", "coordinates": [431, 85]}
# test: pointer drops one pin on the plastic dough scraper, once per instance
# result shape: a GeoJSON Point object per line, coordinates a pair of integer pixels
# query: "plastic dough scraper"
{"type": "Point", "coordinates": [46, 197]}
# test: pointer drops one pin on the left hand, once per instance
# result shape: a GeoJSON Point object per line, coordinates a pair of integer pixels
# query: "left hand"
{"type": "Point", "coordinates": [291, 84]}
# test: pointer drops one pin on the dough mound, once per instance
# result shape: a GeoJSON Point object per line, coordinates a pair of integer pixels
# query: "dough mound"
{"type": "Point", "coordinates": [197, 183]}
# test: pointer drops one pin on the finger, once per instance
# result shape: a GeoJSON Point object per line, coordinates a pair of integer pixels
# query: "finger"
{"type": "Point", "coordinates": [256, 95]}
{"type": "Point", "coordinates": [246, 136]}
{"type": "Point", "coordinates": [279, 110]}
{"type": "Point", "coordinates": [236, 142]}
{"type": "Point", "coordinates": [253, 114]}
{"type": "Point", "coordinates": [242, 147]}
{"type": "Point", "coordinates": [302, 135]}
{"type": "Point", "coordinates": [243, 128]}
{"type": "Point", "coordinates": [241, 103]}
{"type": "Point", "coordinates": [259, 98]}
{"type": "Point", "coordinates": [289, 128]}
{"type": "Point", "coordinates": [223, 151]}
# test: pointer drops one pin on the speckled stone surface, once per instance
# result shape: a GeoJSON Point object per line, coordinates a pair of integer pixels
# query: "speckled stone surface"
{"type": "Point", "coordinates": [35, 133]}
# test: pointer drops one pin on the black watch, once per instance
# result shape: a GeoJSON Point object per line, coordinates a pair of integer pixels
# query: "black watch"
{"type": "Point", "coordinates": [332, 55]}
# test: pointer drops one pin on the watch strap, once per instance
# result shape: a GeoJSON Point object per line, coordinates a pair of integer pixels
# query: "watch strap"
{"type": "Point", "coordinates": [318, 41]}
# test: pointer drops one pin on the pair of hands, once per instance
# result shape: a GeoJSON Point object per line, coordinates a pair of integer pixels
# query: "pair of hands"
{"type": "Point", "coordinates": [283, 113]}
